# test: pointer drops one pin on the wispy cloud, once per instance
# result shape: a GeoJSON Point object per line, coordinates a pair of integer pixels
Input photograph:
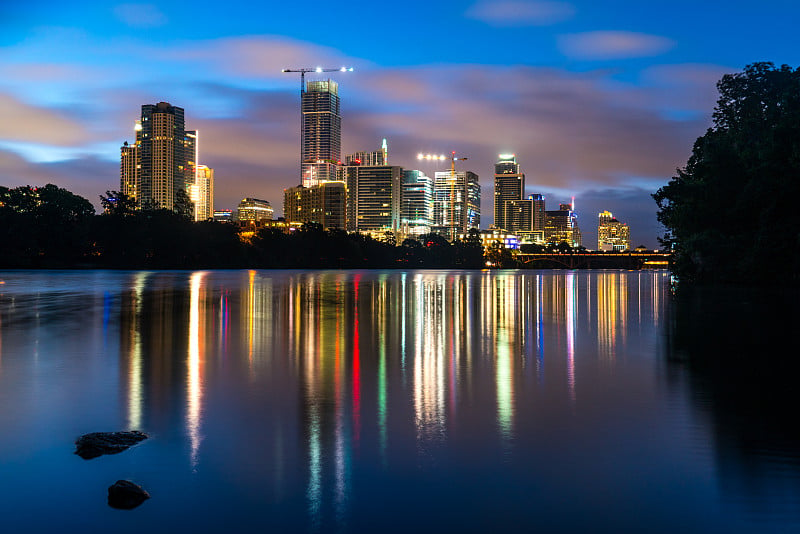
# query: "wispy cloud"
{"type": "Point", "coordinates": [603, 45]}
{"type": "Point", "coordinates": [520, 12]}
{"type": "Point", "coordinates": [28, 123]}
{"type": "Point", "coordinates": [572, 131]}
{"type": "Point", "coordinates": [140, 15]}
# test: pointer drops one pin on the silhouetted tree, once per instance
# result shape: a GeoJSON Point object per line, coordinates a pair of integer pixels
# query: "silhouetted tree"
{"type": "Point", "coordinates": [730, 214]}
{"type": "Point", "coordinates": [116, 203]}
{"type": "Point", "coordinates": [43, 226]}
{"type": "Point", "coordinates": [184, 206]}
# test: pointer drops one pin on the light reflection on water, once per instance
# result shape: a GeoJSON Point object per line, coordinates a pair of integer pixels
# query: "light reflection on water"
{"type": "Point", "coordinates": [357, 400]}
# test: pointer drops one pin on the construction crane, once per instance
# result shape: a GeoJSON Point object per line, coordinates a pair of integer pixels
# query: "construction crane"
{"type": "Point", "coordinates": [303, 72]}
{"type": "Point", "coordinates": [453, 158]}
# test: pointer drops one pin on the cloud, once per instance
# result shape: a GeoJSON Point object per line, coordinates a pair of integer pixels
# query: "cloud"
{"type": "Point", "coordinates": [87, 177]}
{"type": "Point", "coordinates": [602, 45]}
{"type": "Point", "coordinates": [573, 132]}
{"type": "Point", "coordinates": [261, 57]}
{"type": "Point", "coordinates": [23, 122]}
{"type": "Point", "coordinates": [140, 15]}
{"type": "Point", "coordinates": [520, 12]}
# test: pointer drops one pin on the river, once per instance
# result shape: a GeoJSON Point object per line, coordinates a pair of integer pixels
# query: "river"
{"type": "Point", "coordinates": [391, 401]}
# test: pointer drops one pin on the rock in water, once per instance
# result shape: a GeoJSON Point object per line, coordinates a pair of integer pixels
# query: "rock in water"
{"type": "Point", "coordinates": [97, 444]}
{"type": "Point", "coordinates": [126, 495]}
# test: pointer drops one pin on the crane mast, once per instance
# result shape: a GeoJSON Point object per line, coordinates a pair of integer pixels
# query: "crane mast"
{"type": "Point", "coordinates": [451, 219]}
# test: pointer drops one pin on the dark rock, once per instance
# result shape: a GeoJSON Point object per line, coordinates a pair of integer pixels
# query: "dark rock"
{"type": "Point", "coordinates": [97, 444]}
{"type": "Point", "coordinates": [125, 495]}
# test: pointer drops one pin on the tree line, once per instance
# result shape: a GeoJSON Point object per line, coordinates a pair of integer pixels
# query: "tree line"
{"type": "Point", "coordinates": [50, 227]}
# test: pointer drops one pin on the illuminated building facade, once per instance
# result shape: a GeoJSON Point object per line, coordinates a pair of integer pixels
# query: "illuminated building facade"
{"type": "Point", "coordinates": [373, 198]}
{"type": "Point", "coordinates": [162, 159]}
{"type": "Point", "coordinates": [456, 203]}
{"type": "Point", "coordinates": [254, 210]}
{"type": "Point", "coordinates": [518, 216]}
{"type": "Point", "coordinates": [223, 215]}
{"type": "Point", "coordinates": [323, 203]}
{"type": "Point", "coordinates": [539, 212]}
{"type": "Point", "coordinates": [130, 165]}
{"type": "Point", "coordinates": [370, 159]}
{"type": "Point", "coordinates": [561, 226]}
{"type": "Point", "coordinates": [162, 155]}
{"type": "Point", "coordinates": [322, 132]}
{"type": "Point", "coordinates": [612, 234]}
{"type": "Point", "coordinates": [416, 206]}
{"type": "Point", "coordinates": [201, 192]}
{"type": "Point", "coordinates": [509, 186]}
{"type": "Point", "coordinates": [190, 146]}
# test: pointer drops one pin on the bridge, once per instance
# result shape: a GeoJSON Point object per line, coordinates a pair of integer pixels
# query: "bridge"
{"type": "Point", "coordinates": [595, 260]}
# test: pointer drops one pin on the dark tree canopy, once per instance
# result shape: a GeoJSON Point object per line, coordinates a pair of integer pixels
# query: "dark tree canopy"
{"type": "Point", "coordinates": [731, 213]}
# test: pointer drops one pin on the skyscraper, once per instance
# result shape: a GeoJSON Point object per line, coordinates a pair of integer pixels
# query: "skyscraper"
{"type": "Point", "coordinates": [416, 208]}
{"type": "Point", "coordinates": [518, 216]}
{"type": "Point", "coordinates": [202, 193]}
{"type": "Point", "coordinates": [539, 212]}
{"type": "Point", "coordinates": [612, 234]}
{"type": "Point", "coordinates": [130, 165]}
{"type": "Point", "coordinates": [162, 155]}
{"type": "Point", "coordinates": [321, 142]}
{"type": "Point", "coordinates": [562, 226]}
{"type": "Point", "coordinates": [456, 203]}
{"type": "Point", "coordinates": [509, 185]}
{"type": "Point", "coordinates": [157, 165]}
{"type": "Point", "coordinates": [373, 198]}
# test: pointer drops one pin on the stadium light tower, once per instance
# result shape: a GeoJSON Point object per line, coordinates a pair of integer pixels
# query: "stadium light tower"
{"type": "Point", "coordinates": [303, 72]}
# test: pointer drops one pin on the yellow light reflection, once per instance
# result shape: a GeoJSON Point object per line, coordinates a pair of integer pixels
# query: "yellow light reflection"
{"type": "Point", "coordinates": [135, 379]}
{"type": "Point", "coordinates": [429, 358]}
{"type": "Point", "coordinates": [570, 298]}
{"type": "Point", "coordinates": [194, 389]}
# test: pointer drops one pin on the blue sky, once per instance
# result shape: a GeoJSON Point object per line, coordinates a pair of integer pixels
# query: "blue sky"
{"type": "Point", "coordinates": [600, 100]}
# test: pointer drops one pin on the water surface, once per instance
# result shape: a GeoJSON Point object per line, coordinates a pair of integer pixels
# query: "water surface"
{"type": "Point", "coordinates": [369, 401]}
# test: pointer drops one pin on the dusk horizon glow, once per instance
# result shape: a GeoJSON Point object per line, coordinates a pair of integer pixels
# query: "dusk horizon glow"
{"type": "Point", "coordinates": [602, 103]}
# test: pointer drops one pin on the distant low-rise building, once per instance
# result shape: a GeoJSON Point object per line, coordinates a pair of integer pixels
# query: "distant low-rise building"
{"type": "Point", "coordinates": [223, 216]}
{"type": "Point", "coordinates": [254, 209]}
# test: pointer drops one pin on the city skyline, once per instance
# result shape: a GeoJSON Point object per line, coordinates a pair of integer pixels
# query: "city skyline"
{"type": "Point", "coordinates": [598, 102]}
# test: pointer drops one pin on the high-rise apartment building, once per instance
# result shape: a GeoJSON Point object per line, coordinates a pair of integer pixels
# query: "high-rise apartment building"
{"type": "Point", "coordinates": [162, 160]}
{"type": "Point", "coordinates": [162, 155]}
{"type": "Point", "coordinates": [612, 234]}
{"type": "Point", "coordinates": [509, 185]}
{"type": "Point", "coordinates": [320, 150]}
{"type": "Point", "coordinates": [456, 203]}
{"type": "Point", "coordinates": [322, 203]}
{"type": "Point", "coordinates": [201, 193]}
{"type": "Point", "coordinates": [131, 165]}
{"type": "Point", "coordinates": [416, 203]}
{"type": "Point", "coordinates": [373, 198]}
